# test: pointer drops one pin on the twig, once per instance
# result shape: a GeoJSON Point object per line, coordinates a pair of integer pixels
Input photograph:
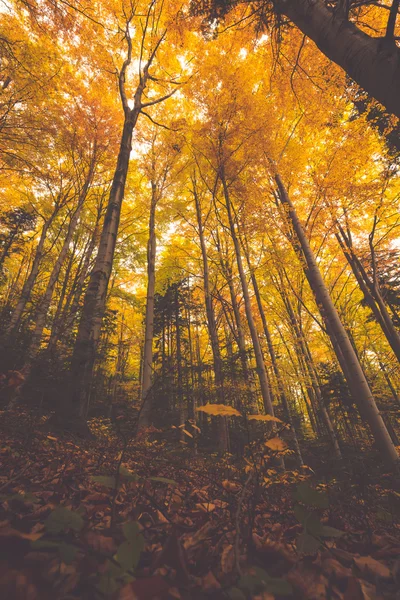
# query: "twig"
{"type": "Point", "coordinates": [15, 477]}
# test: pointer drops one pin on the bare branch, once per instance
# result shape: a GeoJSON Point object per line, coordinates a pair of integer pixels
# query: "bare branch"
{"type": "Point", "coordinates": [158, 100]}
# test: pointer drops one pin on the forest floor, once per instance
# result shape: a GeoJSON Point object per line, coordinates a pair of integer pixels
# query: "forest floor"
{"type": "Point", "coordinates": [124, 519]}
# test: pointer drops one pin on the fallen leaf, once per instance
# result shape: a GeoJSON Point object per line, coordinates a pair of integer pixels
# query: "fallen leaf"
{"type": "Point", "coordinates": [209, 582]}
{"type": "Point", "coordinates": [370, 565]}
{"type": "Point", "coordinates": [231, 486]}
{"type": "Point", "coordinates": [227, 559]}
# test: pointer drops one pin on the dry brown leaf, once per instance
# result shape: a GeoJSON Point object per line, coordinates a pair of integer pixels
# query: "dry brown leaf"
{"type": "Point", "coordinates": [332, 566]}
{"type": "Point", "coordinates": [100, 543]}
{"type": "Point", "coordinates": [369, 565]}
{"type": "Point", "coordinates": [227, 559]}
{"type": "Point", "coordinates": [199, 536]}
{"type": "Point", "coordinates": [231, 486]}
{"type": "Point", "coordinates": [209, 582]}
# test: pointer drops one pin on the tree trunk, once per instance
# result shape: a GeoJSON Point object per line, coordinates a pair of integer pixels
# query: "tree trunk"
{"type": "Point", "coordinates": [212, 327]}
{"type": "Point", "coordinates": [76, 405]}
{"type": "Point", "coordinates": [144, 418]}
{"type": "Point", "coordinates": [371, 294]}
{"type": "Point", "coordinates": [275, 367]}
{"type": "Point", "coordinates": [366, 402]}
{"type": "Point", "coordinates": [261, 370]}
{"type": "Point", "coordinates": [372, 62]}
{"type": "Point", "coordinates": [44, 304]}
{"type": "Point", "coordinates": [27, 288]}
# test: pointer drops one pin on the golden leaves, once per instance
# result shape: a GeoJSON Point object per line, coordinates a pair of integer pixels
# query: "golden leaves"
{"type": "Point", "coordinates": [276, 444]}
{"type": "Point", "coordinates": [263, 418]}
{"type": "Point", "coordinates": [219, 410]}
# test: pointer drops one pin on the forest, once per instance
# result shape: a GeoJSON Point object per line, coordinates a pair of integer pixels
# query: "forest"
{"type": "Point", "coordinates": [199, 299]}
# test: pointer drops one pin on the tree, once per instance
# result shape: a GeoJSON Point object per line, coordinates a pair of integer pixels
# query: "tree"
{"type": "Point", "coordinates": [373, 62]}
{"type": "Point", "coordinates": [95, 298]}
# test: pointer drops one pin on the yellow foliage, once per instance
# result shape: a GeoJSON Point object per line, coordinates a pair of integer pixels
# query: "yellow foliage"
{"type": "Point", "coordinates": [263, 418]}
{"type": "Point", "coordinates": [276, 444]}
{"type": "Point", "coordinates": [219, 410]}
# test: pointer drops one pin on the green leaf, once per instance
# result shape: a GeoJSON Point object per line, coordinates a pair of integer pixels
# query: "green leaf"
{"type": "Point", "coordinates": [127, 474]}
{"type": "Point", "coordinates": [236, 594]}
{"type": "Point", "coordinates": [67, 551]}
{"type": "Point", "coordinates": [131, 530]}
{"type": "Point", "coordinates": [259, 580]}
{"type": "Point", "coordinates": [309, 520]}
{"type": "Point", "coordinates": [301, 513]}
{"type": "Point", "coordinates": [328, 531]}
{"type": "Point", "coordinates": [128, 553]}
{"type": "Point", "coordinates": [307, 495]}
{"type": "Point", "coordinates": [43, 544]}
{"type": "Point", "coordinates": [62, 519]}
{"type": "Point", "coordinates": [163, 480]}
{"type": "Point", "coordinates": [106, 480]}
{"type": "Point", "coordinates": [307, 544]}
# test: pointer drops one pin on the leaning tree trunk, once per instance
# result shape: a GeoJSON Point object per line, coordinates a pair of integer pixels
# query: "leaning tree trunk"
{"type": "Point", "coordinates": [44, 304]}
{"type": "Point", "coordinates": [366, 402]}
{"type": "Point", "coordinates": [144, 417]}
{"type": "Point", "coordinates": [71, 306]}
{"type": "Point", "coordinates": [26, 292]}
{"type": "Point", "coordinates": [275, 367]}
{"type": "Point", "coordinates": [373, 62]}
{"type": "Point", "coordinates": [371, 294]}
{"type": "Point", "coordinates": [317, 401]}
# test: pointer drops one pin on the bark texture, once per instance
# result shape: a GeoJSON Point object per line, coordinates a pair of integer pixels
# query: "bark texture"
{"type": "Point", "coordinates": [373, 63]}
{"type": "Point", "coordinates": [365, 400]}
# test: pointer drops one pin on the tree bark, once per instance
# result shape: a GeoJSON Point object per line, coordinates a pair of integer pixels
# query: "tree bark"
{"type": "Point", "coordinates": [261, 370]}
{"type": "Point", "coordinates": [27, 288]}
{"type": "Point", "coordinates": [372, 62]}
{"type": "Point", "coordinates": [371, 293]}
{"type": "Point", "coordinates": [271, 350]}
{"type": "Point", "coordinates": [44, 304]}
{"type": "Point", "coordinates": [366, 402]}
{"type": "Point", "coordinates": [144, 417]}
{"type": "Point", "coordinates": [95, 298]}
{"type": "Point", "coordinates": [223, 433]}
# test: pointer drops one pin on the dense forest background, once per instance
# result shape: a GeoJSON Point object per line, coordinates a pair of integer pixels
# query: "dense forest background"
{"type": "Point", "coordinates": [199, 227]}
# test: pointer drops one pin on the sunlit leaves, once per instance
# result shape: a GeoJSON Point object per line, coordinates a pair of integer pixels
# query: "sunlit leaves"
{"type": "Point", "coordinates": [276, 444]}
{"type": "Point", "coordinates": [219, 410]}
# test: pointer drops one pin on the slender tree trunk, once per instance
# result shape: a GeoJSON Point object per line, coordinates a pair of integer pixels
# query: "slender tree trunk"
{"type": "Point", "coordinates": [144, 418]}
{"type": "Point", "coordinates": [389, 382]}
{"type": "Point", "coordinates": [271, 350]}
{"type": "Point", "coordinates": [181, 407]}
{"type": "Point", "coordinates": [26, 292]}
{"type": "Point", "coordinates": [63, 293]}
{"type": "Point", "coordinates": [6, 249]}
{"type": "Point", "coordinates": [212, 326]}
{"type": "Point", "coordinates": [371, 294]}
{"type": "Point", "coordinates": [373, 63]}
{"type": "Point", "coordinates": [44, 304]}
{"type": "Point", "coordinates": [366, 402]}
{"type": "Point", "coordinates": [261, 370]}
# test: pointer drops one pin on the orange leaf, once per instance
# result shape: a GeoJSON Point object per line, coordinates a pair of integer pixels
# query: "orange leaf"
{"type": "Point", "coordinates": [219, 410]}
{"type": "Point", "coordinates": [276, 444]}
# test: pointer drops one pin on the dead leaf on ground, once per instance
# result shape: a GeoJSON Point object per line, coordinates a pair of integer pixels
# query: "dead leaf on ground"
{"type": "Point", "coordinates": [369, 565]}
{"type": "Point", "coordinates": [209, 582]}
{"type": "Point", "coordinates": [227, 559]}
